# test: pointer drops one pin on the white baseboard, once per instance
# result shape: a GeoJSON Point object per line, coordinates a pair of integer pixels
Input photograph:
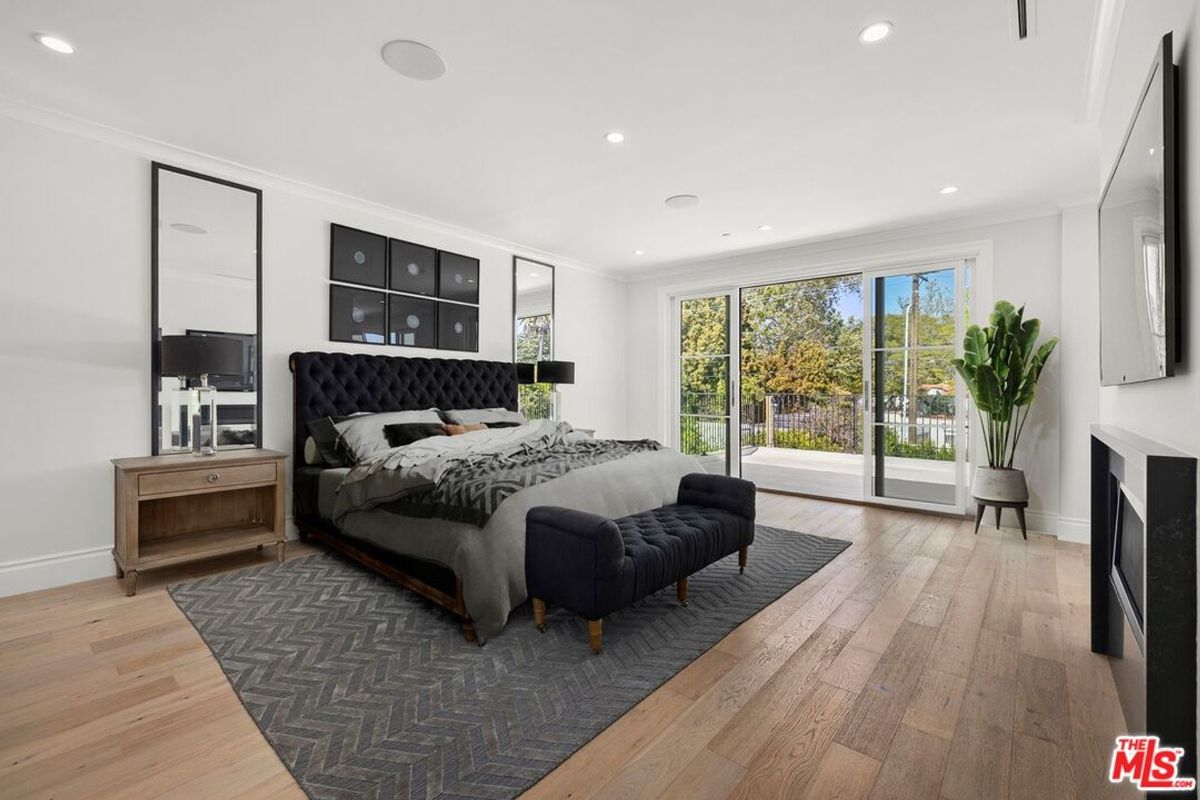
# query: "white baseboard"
{"type": "Point", "coordinates": [58, 569]}
{"type": "Point", "coordinates": [1073, 529]}
{"type": "Point", "coordinates": [1040, 521]}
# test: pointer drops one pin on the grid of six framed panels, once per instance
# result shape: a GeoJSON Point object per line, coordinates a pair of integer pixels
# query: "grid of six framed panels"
{"type": "Point", "coordinates": [392, 292]}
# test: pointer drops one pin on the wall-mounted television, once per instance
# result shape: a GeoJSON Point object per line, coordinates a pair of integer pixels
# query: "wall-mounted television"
{"type": "Point", "coordinates": [1139, 239]}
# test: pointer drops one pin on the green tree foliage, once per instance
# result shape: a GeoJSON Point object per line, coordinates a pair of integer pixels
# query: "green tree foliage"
{"type": "Point", "coordinates": [796, 340]}
{"type": "Point", "coordinates": [806, 338]}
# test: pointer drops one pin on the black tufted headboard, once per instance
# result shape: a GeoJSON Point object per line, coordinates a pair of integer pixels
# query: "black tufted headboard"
{"type": "Point", "coordinates": [330, 384]}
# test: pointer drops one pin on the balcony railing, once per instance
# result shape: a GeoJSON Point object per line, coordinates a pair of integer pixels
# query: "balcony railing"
{"type": "Point", "coordinates": [827, 423]}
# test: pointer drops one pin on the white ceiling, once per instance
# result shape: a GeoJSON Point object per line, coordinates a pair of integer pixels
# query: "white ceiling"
{"type": "Point", "coordinates": [770, 110]}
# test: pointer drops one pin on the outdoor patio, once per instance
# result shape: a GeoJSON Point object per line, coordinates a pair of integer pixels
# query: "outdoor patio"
{"type": "Point", "coordinates": [841, 474]}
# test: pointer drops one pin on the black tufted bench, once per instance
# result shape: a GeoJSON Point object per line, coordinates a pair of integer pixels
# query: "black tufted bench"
{"type": "Point", "coordinates": [592, 565]}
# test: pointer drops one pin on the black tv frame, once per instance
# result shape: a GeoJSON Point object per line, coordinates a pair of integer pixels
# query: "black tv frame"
{"type": "Point", "coordinates": [1164, 64]}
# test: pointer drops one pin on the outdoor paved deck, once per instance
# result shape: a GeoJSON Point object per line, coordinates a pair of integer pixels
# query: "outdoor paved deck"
{"type": "Point", "coordinates": [840, 475]}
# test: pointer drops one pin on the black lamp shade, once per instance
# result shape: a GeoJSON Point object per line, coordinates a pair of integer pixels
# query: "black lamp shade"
{"type": "Point", "coordinates": [525, 373]}
{"type": "Point", "coordinates": [201, 355]}
{"type": "Point", "coordinates": [556, 372]}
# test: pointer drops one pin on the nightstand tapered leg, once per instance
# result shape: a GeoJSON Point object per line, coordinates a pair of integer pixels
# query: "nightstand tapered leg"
{"type": "Point", "coordinates": [130, 582]}
{"type": "Point", "coordinates": [279, 551]}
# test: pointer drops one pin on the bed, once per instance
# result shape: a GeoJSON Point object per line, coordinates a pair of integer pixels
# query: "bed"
{"type": "Point", "coordinates": [472, 567]}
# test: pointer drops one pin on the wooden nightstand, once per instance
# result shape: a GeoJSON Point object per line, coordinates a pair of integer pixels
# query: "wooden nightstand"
{"type": "Point", "coordinates": [179, 508]}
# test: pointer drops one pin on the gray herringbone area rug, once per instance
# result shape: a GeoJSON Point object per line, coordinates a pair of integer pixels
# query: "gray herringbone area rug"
{"type": "Point", "coordinates": [367, 691]}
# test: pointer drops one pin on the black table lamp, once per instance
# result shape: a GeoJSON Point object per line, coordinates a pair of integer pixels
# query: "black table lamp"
{"type": "Point", "coordinates": [525, 373]}
{"type": "Point", "coordinates": [198, 357]}
{"type": "Point", "coordinates": [554, 373]}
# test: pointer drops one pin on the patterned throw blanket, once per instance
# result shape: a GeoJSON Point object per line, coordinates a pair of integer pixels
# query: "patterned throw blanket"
{"type": "Point", "coordinates": [472, 491]}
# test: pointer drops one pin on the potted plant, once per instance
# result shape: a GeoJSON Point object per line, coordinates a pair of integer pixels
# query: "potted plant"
{"type": "Point", "coordinates": [1001, 365]}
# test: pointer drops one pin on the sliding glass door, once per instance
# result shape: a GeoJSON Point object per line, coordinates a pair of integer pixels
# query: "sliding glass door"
{"type": "Point", "coordinates": [705, 379]}
{"type": "Point", "coordinates": [915, 433]}
{"type": "Point", "coordinates": [837, 386]}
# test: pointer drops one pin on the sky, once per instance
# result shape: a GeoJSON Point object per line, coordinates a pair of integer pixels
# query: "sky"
{"type": "Point", "coordinates": [896, 288]}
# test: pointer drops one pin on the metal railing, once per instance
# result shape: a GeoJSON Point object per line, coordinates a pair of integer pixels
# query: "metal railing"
{"type": "Point", "coordinates": [828, 423]}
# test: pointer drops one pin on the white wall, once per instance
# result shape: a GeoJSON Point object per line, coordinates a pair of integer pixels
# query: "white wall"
{"type": "Point", "coordinates": [1022, 264]}
{"type": "Point", "coordinates": [1163, 410]}
{"type": "Point", "coordinates": [75, 325]}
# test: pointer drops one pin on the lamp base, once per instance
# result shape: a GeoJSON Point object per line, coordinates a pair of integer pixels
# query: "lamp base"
{"type": "Point", "coordinates": [204, 403]}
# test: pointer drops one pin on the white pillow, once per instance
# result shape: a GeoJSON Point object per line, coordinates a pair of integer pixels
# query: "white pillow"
{"type": "Point", "coordinates": [474, 416]}
{"type": "Point", "coordinates": [311, 454]}
{"type": "Point", "coordinates": [364, 437]}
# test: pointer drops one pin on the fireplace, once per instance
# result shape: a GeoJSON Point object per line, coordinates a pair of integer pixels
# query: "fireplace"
{"type": "Point", "coordinates": [1144, 582]}
{"type": "Point", "coordinates": [1128, 568]}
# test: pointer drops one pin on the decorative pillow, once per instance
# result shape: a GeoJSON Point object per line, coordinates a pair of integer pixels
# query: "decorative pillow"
{"type": "Point", "coordinates": [472, 416]}
{"type": "Point", "coordinates": [361, 437]}
{"type": "Point", "coordinates": [503, 424]}
{"type": "Point", "coordinates": [323, 433]}
{"type": "Point", "coordinates": [459, 430]}
{"type": "Point", "coordinates": [404, 433]}
{"type": "Point", "coordinates": [312, 455]}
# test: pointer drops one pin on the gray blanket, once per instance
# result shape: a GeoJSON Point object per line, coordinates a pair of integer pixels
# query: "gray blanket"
{"type": "Point", "coordinates": [473, 491]}
{"type": "Point", "coordinates": [490, 559]}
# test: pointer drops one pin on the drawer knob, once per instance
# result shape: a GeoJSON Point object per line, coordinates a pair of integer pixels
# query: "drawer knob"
{"type": "Point", "coordinates": [213, 477]}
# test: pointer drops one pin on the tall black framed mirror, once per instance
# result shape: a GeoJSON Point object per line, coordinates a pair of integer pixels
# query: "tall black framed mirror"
{"type": "Point", "coordinates": [533, 330]}
{"type": "Point", "coordinates": [205, 313]}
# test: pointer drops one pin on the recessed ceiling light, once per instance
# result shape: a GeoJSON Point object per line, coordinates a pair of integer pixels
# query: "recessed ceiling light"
{"type": "Point", "coordinates": [639, 252]}
{"type": "Point", "coordinates": [726, 235]}
{"type": "Point", "coordinates": [683, 201]}
{"type": "Point", "coordinates": [413, 60]}
{"type": "Point", "coordinates": [948, 190]}
{"type": "Point", "coordinates": [54, 43]}
{"type": "Point", "coordinates": [187, 227]}
{"type": "Point", "coordinates": [875, 32]}
{"type": "Point", "coordinates": [614, 137]}
{"type": "Point", "coordinates": [764, 227]}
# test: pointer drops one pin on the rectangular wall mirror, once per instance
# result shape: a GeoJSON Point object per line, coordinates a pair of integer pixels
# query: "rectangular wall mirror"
{"type": "Point", "coordinates": [533, 330]}
{"type": "Point", "coordinates": [206, 313]}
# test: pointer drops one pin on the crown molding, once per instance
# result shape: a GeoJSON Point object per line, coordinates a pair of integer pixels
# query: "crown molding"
{"type": "Point", "coordinates": [749, 259]}
{"type": "Point", "coordinates": [1106, 29]}
{"type": "Point", "coordinates": [158, 150]}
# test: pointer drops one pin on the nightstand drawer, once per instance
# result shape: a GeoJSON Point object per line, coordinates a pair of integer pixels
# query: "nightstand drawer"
{"type": "Point", "coordinates": [214, 477]}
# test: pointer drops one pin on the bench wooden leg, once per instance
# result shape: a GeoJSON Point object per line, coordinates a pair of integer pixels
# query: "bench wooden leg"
{"type": "Point", "coordinates": [742, 556]}
{"type": "Point", "coordinates": [468, 630]}
{"type": "Point", "coordinates": [594, 633]}
{"type": "Point", "coordinates": [681, 591]}
{"type": "Point", "coordinates": [539, 614]}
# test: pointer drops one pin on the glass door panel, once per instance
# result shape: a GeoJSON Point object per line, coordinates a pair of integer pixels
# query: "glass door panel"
{"type": "Point", "coordinates": [916, 417]}
{"type": "Point", "coordinates": [801, 417]}
{"type": "Point", "coordinates": [705, 380]}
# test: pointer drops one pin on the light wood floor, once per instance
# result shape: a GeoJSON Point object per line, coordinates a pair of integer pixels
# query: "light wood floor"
{"type": "Point", "coordinates": [923, 662]}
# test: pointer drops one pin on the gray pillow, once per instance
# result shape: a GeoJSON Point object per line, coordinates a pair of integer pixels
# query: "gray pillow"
{"type": "Point", "coordinates": [362, 437]}
{"type": "Point", "coordinates": [474, 416]}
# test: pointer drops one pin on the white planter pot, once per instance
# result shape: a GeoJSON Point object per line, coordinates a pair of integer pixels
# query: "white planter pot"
{"type": "Point", "coordinates": [999, 485]}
